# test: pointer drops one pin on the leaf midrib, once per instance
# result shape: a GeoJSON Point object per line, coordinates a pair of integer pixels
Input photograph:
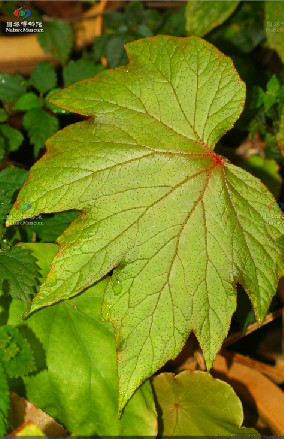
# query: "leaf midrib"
{"type": "Point", "coordinates": [184, 181]}
{"type": "Point", "coordinates": [175, 252]}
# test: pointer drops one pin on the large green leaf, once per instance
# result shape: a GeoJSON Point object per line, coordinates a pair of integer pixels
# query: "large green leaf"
{"type": "Point", "coordinates": [195, 404]}
{"type": "Point", "coordinates": [43, 77]}
{"type": "Point", "coordinates": [178, 224]}
{"type": "Point", "coordinates": [80, 385]}
{"type": "Point", "coordinates": [11, 87]}
{"type": "Point", "coordinates": [203, 16]}
{"type": "Point", "coordinates": [274, 19]}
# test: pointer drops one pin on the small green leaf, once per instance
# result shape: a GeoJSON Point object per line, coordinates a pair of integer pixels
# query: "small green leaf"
{"type": "Point", "coordinates": [27, 102]}
{"type": "Point", "coordinates": [273, 85]}
{"type": "Point", "coordinates": [175, 23]}
{"type": "Point", "coordinates": [115, 52]}
{"type": "Point", "coordinates": [256, 98]}
{"type": "Point", "coordinates": [40, 125]}
{"type": "Point", "coordinates": [12, 87]}
{"type": "Point", "coordinates": [4, 401]}
{"type": "Point", "coordinates": [155, 19]}
{"type": "Point", "coordinates": [274, 26]}
{"type": "Point", "coordinates": [12, 178]}
{"type": "Point", "coordinates": [43, 77]}
{"type": "Point", "coordinates": [195, 404]}
{"type": "Point", "coordinates": [77, 70]}
{"type": "Point", "coordinates": [14, 138]}
{"type": "Point", "coordinates": [113, 20]}
{"type": "Point", "coordinates": [134, 13]}
{"type": "Point", "coordinates": [18, 274]}
{"type": "Point", "coordinates": [79, 386]}
{"type": "Point", "coordinates": [3, 115]}
{"type": "Point", "coordinates": [16, 355]}
{"type": "Point", "coordinates": [269, 100]}
{"type": "Point", "coordinates": [57, 38]}
{"type": "Point", "coordinates": [202, 16]}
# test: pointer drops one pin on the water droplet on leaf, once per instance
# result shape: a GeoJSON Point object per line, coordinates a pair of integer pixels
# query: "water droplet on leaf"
{"type": "Point", "coordinates": [116, 282]}
{"type": "Point", "coordinates": [51, 280]}
{"type": "Point", "coordinates": [106, 311]}
{"type": "Point", "coordinates": [116, 286]}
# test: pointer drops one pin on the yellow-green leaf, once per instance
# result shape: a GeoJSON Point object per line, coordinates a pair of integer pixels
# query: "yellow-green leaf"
{"type": "Point", "coordinates": [178, 225]}
{"type": "Point", "coordinates": [195, 404]}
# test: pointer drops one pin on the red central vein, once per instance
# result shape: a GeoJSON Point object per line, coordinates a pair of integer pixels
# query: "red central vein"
{"type": "Point", "coordinates": [218, 160]}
